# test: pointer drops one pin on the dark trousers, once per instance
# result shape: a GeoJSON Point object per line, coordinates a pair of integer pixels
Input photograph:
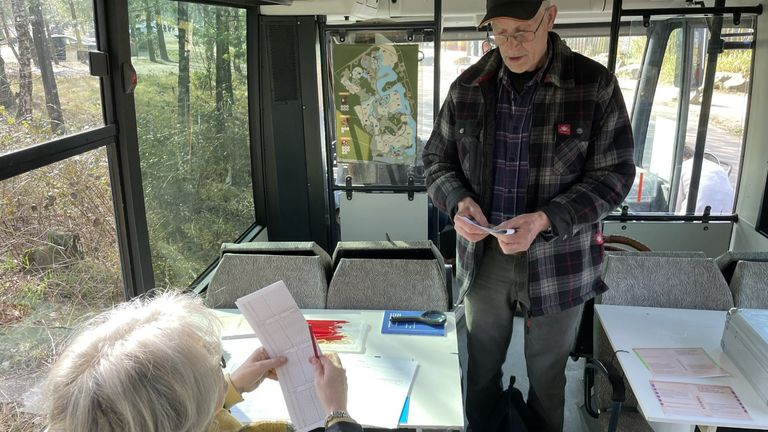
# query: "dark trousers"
{"type": "Point", "coordinates": [501, 283]}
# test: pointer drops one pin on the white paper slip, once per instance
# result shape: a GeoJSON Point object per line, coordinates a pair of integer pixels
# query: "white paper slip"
{"type": "Point", "coordinates": [282, 329]}
{"type": "Point", "coordinates": [378, 387]}
{"type": "Point", "coordinates": [489, 230]}
{"type": "Point", "coordinates": [680, 363]}
{"type": "Point", "coordinates": [699, 400]}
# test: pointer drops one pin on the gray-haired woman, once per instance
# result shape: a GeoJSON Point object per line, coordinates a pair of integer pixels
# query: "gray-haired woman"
{"type": "Point", "coordinates": [152, 365]}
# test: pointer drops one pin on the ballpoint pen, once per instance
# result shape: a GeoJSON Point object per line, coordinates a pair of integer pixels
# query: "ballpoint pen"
{"type": "Point", "coordinates": [314, 342]}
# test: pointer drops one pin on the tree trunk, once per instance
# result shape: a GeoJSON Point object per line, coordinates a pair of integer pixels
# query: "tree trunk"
{"type": "Point", "coordinates": [183, 25]}
{"type": "Point", "coordinates": [78, 36]}
{"type": "Point", "coordinates": [160, 33]}
{"type": "Point", "coordinates": [224, 96]}
{"type": "Point", "coordinates": [49, 41]}
{"type": "Point", "coordinates": [24, 108]}
{"type": "Point", "coordinates": [148, 34]}
{"type": "Point", "coordinates": [210, 44]}
{"type": "Point", "coordinates": [50, 89]}
{"type": "Point", "coordinates": [134, 35]}
{"type": "Point", "coordinates": [6, 94]}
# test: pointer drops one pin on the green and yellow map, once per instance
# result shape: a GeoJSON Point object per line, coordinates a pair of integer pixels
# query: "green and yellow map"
{"type": "Point", "coordinates": [375, 92]}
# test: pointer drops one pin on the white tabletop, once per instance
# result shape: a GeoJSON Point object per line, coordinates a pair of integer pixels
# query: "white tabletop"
{"type": "Point", "coordinates": [629, 327]}
{"type": "Point", "coordinates": [435, 398]}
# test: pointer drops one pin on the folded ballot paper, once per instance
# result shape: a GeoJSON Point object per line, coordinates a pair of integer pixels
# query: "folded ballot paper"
{"type": "Point", "coordinates": [283, 331]}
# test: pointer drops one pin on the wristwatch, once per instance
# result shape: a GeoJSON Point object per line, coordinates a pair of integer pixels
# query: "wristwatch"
{"type": "Point", "coordinates": [335, 415]}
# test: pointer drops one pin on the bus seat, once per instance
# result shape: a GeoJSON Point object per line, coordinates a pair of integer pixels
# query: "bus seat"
{"type": "Point", "coordinates": [389, 275]}
{"type": "Point", "coordinates": [727, 261]}
{"type": "Point", "coordinates": [247, 267]}
{"type": "Point", "coordinates": [748, 285]}
{"type": "Point", "coordinates": [655, 281]}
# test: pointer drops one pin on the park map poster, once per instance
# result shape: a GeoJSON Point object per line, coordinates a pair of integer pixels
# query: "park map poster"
{"type": "Point", "coordinates": [375, 93]}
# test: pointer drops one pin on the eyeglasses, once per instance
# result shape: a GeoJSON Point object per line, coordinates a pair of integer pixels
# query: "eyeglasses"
{"type": "Point", "coordinates": [521, 36]}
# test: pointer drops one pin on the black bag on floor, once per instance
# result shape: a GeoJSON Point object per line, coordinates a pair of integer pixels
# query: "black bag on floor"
{"type": "Point", "coordinates": [513, 414]}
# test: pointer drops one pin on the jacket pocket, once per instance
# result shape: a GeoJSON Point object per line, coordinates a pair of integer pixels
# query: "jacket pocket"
{"type": "Point", "coordinates": [467, 135]}
{"type": "Point", "coordinates": [570, 156]}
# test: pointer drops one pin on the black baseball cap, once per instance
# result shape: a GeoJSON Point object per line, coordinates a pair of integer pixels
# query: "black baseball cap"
{"type": "Point", "coordinates": [517, 9]}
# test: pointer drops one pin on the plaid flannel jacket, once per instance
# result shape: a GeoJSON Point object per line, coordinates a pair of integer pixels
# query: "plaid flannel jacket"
{"type": "Point", "coordinates": [581, 168]}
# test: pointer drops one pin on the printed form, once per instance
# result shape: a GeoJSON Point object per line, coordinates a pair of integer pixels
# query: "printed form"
{"type": "Point", "coordinates": [699, 400]}
{"type": "Point", "coordinates": [283, 331]}
{"type": "Point", "coordinates": [680, 363]}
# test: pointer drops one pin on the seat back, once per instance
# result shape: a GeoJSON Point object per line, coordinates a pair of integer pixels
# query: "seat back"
{"type": "Point", "coordinates": [388, 275]}
{"type": "Point", "coordinates": [245, 268]}
{"type": "Point", "coordinates": [656, 281]}
{"type": "Point", "coordinates": [748, 285]}
{"type": "Point", "coordinates": [727, 261]}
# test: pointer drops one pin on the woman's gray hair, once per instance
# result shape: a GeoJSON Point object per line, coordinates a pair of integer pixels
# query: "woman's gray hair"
{"type": "Point", "coordinates": [149, 365]}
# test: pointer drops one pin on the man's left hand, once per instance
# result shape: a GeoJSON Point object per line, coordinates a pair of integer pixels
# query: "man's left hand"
{"type": "Point", "coordinates": [527, 227]}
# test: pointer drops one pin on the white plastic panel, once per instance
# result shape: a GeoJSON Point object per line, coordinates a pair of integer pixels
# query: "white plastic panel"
{"type": "Point", "coordinates": [712, 238]}
{"type": "Point", "coordinates": [370, 216]}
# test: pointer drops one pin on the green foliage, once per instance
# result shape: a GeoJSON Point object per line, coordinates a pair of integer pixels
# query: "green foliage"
{"type": "Point", "coordinates": [735, 61]}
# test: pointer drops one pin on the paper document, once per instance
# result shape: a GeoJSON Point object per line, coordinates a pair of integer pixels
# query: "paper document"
{"type": "Point", "coordinates": [488, 229]}
{"type": "Point", "coordinates": [699, 400]}
{"type": "Point", "coordinates": [680, 363]}
{"type": "Point", "coordinates": [235, 327]}
{"type": "Point", "coordinates": [282, 329]}
{"type": "Point", "coordinates": [378, 389]}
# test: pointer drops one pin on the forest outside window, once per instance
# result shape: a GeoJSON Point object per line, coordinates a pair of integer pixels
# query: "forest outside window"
{"type": "Point", "coordinates": [192, 119]}
{"type": "Point", "coordinates": [46, 90]}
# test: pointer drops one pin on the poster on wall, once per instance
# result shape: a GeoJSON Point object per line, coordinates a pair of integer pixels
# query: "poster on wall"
{"type": "Point", "coordinates": [375, 94]}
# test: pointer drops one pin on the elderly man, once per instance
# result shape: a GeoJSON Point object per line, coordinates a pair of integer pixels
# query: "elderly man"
{"type": "Point", "coordinates": [536, 138]}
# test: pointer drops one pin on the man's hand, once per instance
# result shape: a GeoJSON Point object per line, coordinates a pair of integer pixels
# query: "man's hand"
{"type": "Point", "coordinates": [251, 373]}
{"type": "Point", "coordinates": [330, 382]}
{"type": "Point", "coordinates": [527, 227]}
{"type": "Point", "coordinates": [469, 208]}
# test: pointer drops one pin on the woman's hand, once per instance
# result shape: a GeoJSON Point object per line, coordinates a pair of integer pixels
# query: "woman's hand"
{"type": "Point", "coordinates": [330, 382]}
{"type": "Point", "coordinates": [253, 371]}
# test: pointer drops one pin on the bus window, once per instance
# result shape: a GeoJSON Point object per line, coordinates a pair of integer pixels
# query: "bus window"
{"type": "Point", "coordinates": [59, 262]}
{"type": "Point", "coordinates": [192, 120]}
{"type": "Point", "coordinates": [665, 117]}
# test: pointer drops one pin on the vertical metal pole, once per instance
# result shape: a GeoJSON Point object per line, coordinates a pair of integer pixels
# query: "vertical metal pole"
{"type": "Point", "coordinates": [613, 47]}
{"type": "Point", "coordinates": [328, 101]}
{"type": "Point", "coordinates": [438, 41]}
{"type": "Point", "coordinates": [124, 165]}
{"type": "Point", "coordinates": [434, 214]}
{"type": "Point", "coordinates": [715, 46]}
{"type": "Point", "coordinates": [682, 109]}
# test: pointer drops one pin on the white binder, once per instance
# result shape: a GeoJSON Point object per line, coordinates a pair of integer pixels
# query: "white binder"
{"type": "Point", "coordinates": [745, 342]}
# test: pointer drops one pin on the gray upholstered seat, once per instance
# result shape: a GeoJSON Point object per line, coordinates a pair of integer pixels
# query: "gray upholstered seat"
{"type": "Point", "coordinates": [727, 261]}
{"type": "Point", "coordinates": [749, 285]}
{"type": "Point", "coordinates": [656, 281]}
{"type": "Point", "coordinates": [388, 275]}
{"type": "Point", "coordinates": [247, 267]}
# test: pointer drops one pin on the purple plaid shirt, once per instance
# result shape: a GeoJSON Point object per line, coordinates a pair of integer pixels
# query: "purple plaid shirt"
{"type": "Point", "coordinates": [510, 153]}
